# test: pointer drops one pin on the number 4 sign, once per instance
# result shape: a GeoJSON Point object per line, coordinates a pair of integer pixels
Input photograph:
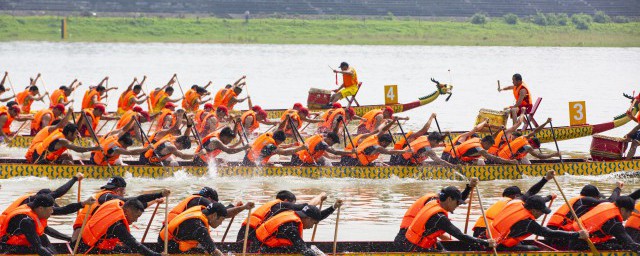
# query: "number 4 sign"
{"type": "Point", "coordinates": [390, 94]}
{"type": "Point", "coordinates": [577, 113]}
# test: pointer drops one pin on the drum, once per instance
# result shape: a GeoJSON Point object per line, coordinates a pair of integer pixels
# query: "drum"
{"type": "Point", "coordinates": [604, 148]}
{"type": "Point", "coordinates": [496, 118]}
{"type": "Point", "coordinates": [318, 98]}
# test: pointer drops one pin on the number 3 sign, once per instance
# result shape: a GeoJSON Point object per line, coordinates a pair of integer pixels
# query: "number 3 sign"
{"type": "Point", "coordinates": [577, 113]}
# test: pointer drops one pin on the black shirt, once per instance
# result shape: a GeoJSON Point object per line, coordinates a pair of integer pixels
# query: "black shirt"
{"type": "Point", "coordinates": [145, 198]}
{"type": "Point", "coordinates": [529, 226]}
{"type": "Point", "coordinates": [195, 230]}
{"type": "Point", "coordinates": [616, 229]}
{"type": "Point", "coordinates": [120, 231]}
{"type": "Point", "coordinates": [22, 224]}
{"type": "Point", "coordinates": [284, 206]}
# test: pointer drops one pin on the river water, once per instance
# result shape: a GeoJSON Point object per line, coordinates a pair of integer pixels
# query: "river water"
{"type": "Point", "coordinates": [279, 75]}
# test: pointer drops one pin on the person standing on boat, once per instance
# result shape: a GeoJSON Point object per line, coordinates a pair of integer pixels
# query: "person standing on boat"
{"type": "Point", "coordinates": [267, 145]}
{"type": "Point", "coordinates": [522, 95]}
{"type": "Point", "coordinates": [205, 197]}
{"type": "Point", "coordinates": [470, 152]}
{"type": "Point", "coordinates": [53, 148]}
{"type": "Point", "coordinates": [374, 118]}
{"type": "Point", "coordinates": [282, 233]}
{"type": "Point", "coordinates": [349, 86]}
{"type": "Point", "coordinates": [107, 230]}
{"type": "Point", "coordinates": [509, 194]}
{"type": "Point", "coordinates": [318, 145]}
{"type": "Point", "coordinates": [60, 95]}
{"type": "Point", "coordinates": [23, 229]}
{"type": "Point", "coordinates": [432, 221]}
{"type": "Point", "coordinates": [45, 117]}
{"type": "Point", "coordinates": [131, 96]}
{"type": "Point", "coordinates": [415, 208]}
{"type": "Point", "coordinates": [215, 143]}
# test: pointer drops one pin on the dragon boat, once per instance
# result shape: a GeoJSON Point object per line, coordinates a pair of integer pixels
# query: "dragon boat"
{"type": "Point", "coordinates": [11, 168]}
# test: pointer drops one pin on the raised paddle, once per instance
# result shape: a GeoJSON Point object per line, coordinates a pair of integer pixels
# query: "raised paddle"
{"type": "Point", "coordinates": [95, 138]}
{"type": "Point", "coordinates": [466, 222]}
{"type": "Point", "coordinates": [248, 96]}
{"type": "Point", "coordinates": [346, 130]}
{"type": "Point", "coordinates": [87, 209]}
{"type": "Point", "coordinates": [246, 234]}
{"type": "Point", "coordinates": [146, 230]}
{"type": "Point", "coordinates": [315, 227]}
{"type": "Point", "coordinates": [593, 248]}
{"type": "Point", "coordinates": [335, 232]}
{"type": "Point", "coordinates": [44, 87]}
{"type": "Point", "coordinates": [18, 131]}
{"type": "Point", "coordinates": [555, 140]}
{"type": "Point", "coordinates": [333, 70]}
{"type": "Point", "coordinates": [404, 135]}
{"type": "Point", "coordinates": [73, 117]}
{"type": "Point", "coordinates": [166, 227]}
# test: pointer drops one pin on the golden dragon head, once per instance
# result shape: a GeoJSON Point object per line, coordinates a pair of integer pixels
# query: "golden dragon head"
{"type": "Point", "coordinates": [443, 88]}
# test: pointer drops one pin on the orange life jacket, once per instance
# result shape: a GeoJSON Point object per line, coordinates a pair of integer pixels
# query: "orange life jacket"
{"type": "Point", "coordinates": [492, 212]}
{"type": "Point", "coordinates": [14, 205]}
{"type": "Point", "coordinates": [516, 146]}
{"type": "Point", "coordinates": [462, 149]}
{"type": "Point", "coordinates": [81, 214]}
{"type": "Point", "coordinates": [415, 208]}
{"type": "Point", "coordinates": [419, 143]}
{"type": "Point", "coordinates": [25, 104]}
{"type": "Point", "coordinates": [58, 96]}
{"type": "Point", "coordinates": [191, 213]}
{"type": "Point", "coordinates": [365, 159]}
{"type": "Point", "coordinates": [124, 102]}
{"type": "Point", "coordinates": [95, 120]}
{"type": "Point", "coordinates": [86, 100]}
{"type": "Point", "coordinates": [43, 148]}
{"type": "Point", "coordinates": [190, 101]}
{"type": "Point", "coordinates": [37, 124]}
{"type": "Point", "coordinates": [266, 233]}
{"type": "Point", "coordinates": [595, 218]}
{"type": "Point", "coordinates": [448, 148]}
{"type": "Point", "coordinates": [217, 99]}
{"type": "Point", "coordinates": [200, 127]}
{"type": "Point", "coordinates": [498, 143]}
{"type": "Point", "coordinates": [125, 118]}
{"type": "Point", "coordinates": [559, 218]}
{"type": "Point", "coordinates": [157, 99]}
{"type": "Point", "coordinates": [226, 98]}
{"type": "Point", "coordinates": [151, 156]}
{"type": "Point", "coordinates": [257, 146]}
{"type": "Point", "coordinates": [311, 155]}
{"type": "Point", "coordinates": [516, 94]}
{"type": "Point", "coordinates": [101, 157]}
{"type": "Point", "coordinates": [260, 214]}
{"type": "Point", "coordinates": [350, 80]}
{"type": "Point", "coordinates": [164, 113]}
{"type": "Point", "coordinates": [96, 228]}
{"type": "Point", "coordinates": [416, 231]}
{"type": "Point", "coordinates": [634, 220]}
{"type": "Point", "coordinates": [181, 207]}
{"type": "Point", "coordinates": [512, 213]}
{"type": "Point", "coordinates": [331, 117]}
{"type": "Point", "coordinates": [39, 138]}
{"type": "Point", "coordinates": [21, 240]}
{"type": "Point", "coordinates": [402, 143]}
{"type": "Point", "coordinates": [199, 115]}
{"type": "Point", "coordinates": [6, 128]}
{"type": "Point", "coordinates": [369, 119]}
{"type": "Point", "coordinates": [250, 113]}
{"type": "Point", "coordinates": [356, 142]}
{"type": "Point", "coordinates": [296, 119]}
{"type": "Point", "coordinates": [209, 155]}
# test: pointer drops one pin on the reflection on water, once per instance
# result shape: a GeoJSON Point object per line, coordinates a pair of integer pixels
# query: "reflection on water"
{"type": "Point", "coordinates": [373, 208]}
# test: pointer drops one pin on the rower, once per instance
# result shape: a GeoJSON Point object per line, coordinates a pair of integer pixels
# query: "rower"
{"type": "Point", "coordinates": [519, 147]}
{"type": "Point", "coordinates": [282, 233]}
{"type": "Point", "coordinates": [107, 230]}
{"type": "Point", "coordinates": [166, 117]}
{"type": "Point", "coordinates": [53, 148]}
{"type": "Point", "coordinates": [193, 99]}
{"type": "Point", "coordinates": [205, 197]}
{"type": "Point", "coordinates": [115, 189]}
{"type": "Point", "coordinates": [60, 95]}
{"type": "Point", "coordinates": [267, 145]}
{"type": "Point", "coordinates": [94, 95]}
{"type": "Point", "coordinates": [159, 97]}
{"type": "Point", "coordinates": [522, 96]}
{"type": "Point", "coordinates": [447, 153]}
{"type": "Point", "coordinates": [46, 117]}
{"type": "Point", "coordinates": [93, 115]}
{"type": "Point", "coordinates": [27, 97]}
{"type": "Point", "coordinates": [230, 98]}
{"type": "Point", "coordinates": [200, 114]}
{"type": "Point", "coordinates": [163, 151]}
{"type": "Point", "coordinates": [112, 147]}
{"type": "Point", "coordinates": [56, 125]}
{"type": "Point", "coordinates": [419, 204]}
{"type": "Point", "coordinates": [57, 193]}
{"type": "Point", "coordinates": [251, 119]}
{"type": "Point", "coordinates": [7, 115]}
{"type": "Point", "coordinates": [127, 118]}
{"type": "Point", "coordinates": [375, 118]}
{"type": "Point", "coordinates": [215, 143]}
{"type": "Point", "coordinates": [422, 149]}
{"type": "Point", "coordinates": [173, 130]}
{"type": "Point", "coordinates": [369, 149]}
{"type": "Point", "coordinates": [131, 97]}
{"type": "Point", "coordinates": [212, 121]}
{"type": "Point", "coordinates": [298, 116]}
{"type": "Point", "coordinates": [411, 136]}
{"type": "Point", "coordinates": [23, 229]}
{"type": "Point", "coordinates": [604, 222]}
{"type": "Point", "coordinates": [632, 225]}
{"type": "Point", "coordinates": [189, 231]}
{"type": "Point", "coordinates": [4, 89]}
{"type": "Point", "coordinates": [219, 97]}
{"type": "Point", "coordinates": [349, 86]}
{"type": "Point", "coordinates": [470, 151]}
{"type": "Point", "coordinates": [499, 136]}
{"type": "Point", "coordinates": [517, 221]}
{"type": "Point", "coordinates": [508, 194]}
{"type": "Point", "coordinates": [318, 145]}
{"type": "Point", "coordinates": [332, 119]}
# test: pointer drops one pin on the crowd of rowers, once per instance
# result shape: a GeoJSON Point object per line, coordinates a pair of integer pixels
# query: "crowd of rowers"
{"type": "Point", "coordinates": [277, 226]}
{"type": "Point", "coordinates": [214, 129]}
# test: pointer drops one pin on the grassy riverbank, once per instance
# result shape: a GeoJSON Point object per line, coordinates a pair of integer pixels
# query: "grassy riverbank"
{"type": "Point", "coordinates": [321, 31]}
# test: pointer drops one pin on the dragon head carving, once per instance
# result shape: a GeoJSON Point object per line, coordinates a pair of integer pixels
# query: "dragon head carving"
{"type": "Point", "coordinates": [443, 88]}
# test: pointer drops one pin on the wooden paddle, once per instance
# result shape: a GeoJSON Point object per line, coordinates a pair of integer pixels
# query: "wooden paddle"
{"type": "Point", "coordinates": [43, 87]}
{"type": "Point", "coordinates": [73, 117]}
{"type": "Point", "coordinates": [246, 234]}
{"type": "Point", "coordinates": [545, 217]}
{"type": "Point", "coordinates": [297, 137]}
{"type": "Point", "coordinates": [146, 230]}
{"type": "Point", "coordinates": [315, 227]}
{"type": "Point", "coordinates": [453, 147]}
{"type": "Point", "coordinates": [95, 138]}
{"type": "Point", "coordinates": [228, 227]}
{"type": "Point", "coordinates": [18, 131]}
{"type": "Point", "coordinates": [87, 209]}
{"type": "Point", "coordinates": [593, 248]}
{"type": "Point", "coordinates": [504, 135]}
{"type": "Point", "coordinates": [248, 96]}
{"type": "Point", "coordinates": [148, 141]}
{"type": "Point", "coordinates": [166, 225]}
{"type": "Point", "coordinates": [555, 140]}
{"type": "Point", "coordinates": [466, 222]}
{"type": "Point", "coordinates": [333, 70]}
{"type": "Point", "coordinates": [335, 232]}
{"type": "Point", "coordinates": [484, 216]}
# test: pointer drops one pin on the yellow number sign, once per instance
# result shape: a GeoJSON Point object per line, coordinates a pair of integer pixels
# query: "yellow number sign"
{"type": "Point", "coordinates": [577, 113]}
{"type": "Point", "coordinates": [390, 94]}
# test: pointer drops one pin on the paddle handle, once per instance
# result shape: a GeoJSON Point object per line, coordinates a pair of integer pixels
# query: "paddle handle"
{"type": "Point", "coordinates": [466, 223]}
{"type": "Point", "coordinates": [87, 209]}
{"type": "Point", "coordinates": [555, 140]}
{"type": "Point", "coordinates": [335, 232]}
{"type": "Point", "coordinates": [298, 137]}
{"type": "Point", "coordinates": [484, 216]}
{"type": "Point", "coordinates": [228, 227]}
{"type": "Point", "coordinates": [545, 217]}
{"type": "Point", "coordinates": [506, 140]}
{"type": "Point", "coordinates": [146, 230]}
{"type": "Point", "coordinates": [315, 227]}
{"type": "Point", "coordinates": [79, 190]}
{"type": "Point", "coordinates": [166, 225]}
{"type": "Point", "coordinates": [246, 233]}
{"type": "Point", "coordinates": [593, 248]}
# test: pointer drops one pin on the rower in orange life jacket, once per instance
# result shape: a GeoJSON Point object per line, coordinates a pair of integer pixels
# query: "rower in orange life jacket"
{"type": "Point", "coordinates": [589, 197]}
{"type": "Point", "coordinates": [415, 208]}
{"type": "Point", "coordinates": [27, 97]}
{"type": "Point", "coordinates": [200, 114]}
{"type": "Point", "coordinates": [317, 146]}
{"type": "Point", "coordinates": [519, 147]}
{"type": "Point", "coordinates": [265, 146]}
{"type": "Point", "coordinates": [261, 214]}
{"type": "Point", "coordinates": [7, 115]}
{"type": "Point", "coordinates": [522, 96]}
{"type": "Point", "coordinates": [190, 229]}
{"type": "Point", "coordinates": [193, 99]}
{"type": "Point", "coordinates": [604, 222]}
{"type": "Point", "coordinates": [60, 95]}
{"type": "Point", "coordinates": [22, 230]}
{"type": "Point", "coordinates": [215, 143]}
{"type": "Point", "coordinates": [166, 117]}
{"type": "Point", "coordinates": [45, 117]}
{"type": "Point", "coordinates": [374, 118]}
{"type": "Point", "coordinates": [94, 116]}
{"type": "Point", "coordinates": [422, 149]}
{"type": "Point", "coordinates": [212, 121]}
{"type": "Point", "coordinates": [129, 98]}
{"type": "Point", "coordinates": [517, 221]}
{"type": "Point", "coordinates": [432, 221]}
{"type": "Point", "coordinates": [204, 197]}
{"type": "Point", "coordinates": [251, 119]}
{"type": "Point", "coordinates": [230, 98]}
{"type": "Point", "coordinates": [470, 152]}
{"type": "Point", "coordinates": [298, 117]}
{"type": "Point", "coordinates": [107, 230]}
{"type": "Point", "coordinates": [218, 98]}
{"type": "Point", "coordinates": [112, 147]}
{"type": "Point", "coordinates": [165, 148]}
{"type": "Point", "coordinates": [53, 148]}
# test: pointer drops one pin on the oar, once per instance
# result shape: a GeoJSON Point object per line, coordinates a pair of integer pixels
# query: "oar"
{"type": "Point", "coordinates": [18, 131]}
{"type": "Point", "coordinates": [45, 89]}
{"type": "Point", "coordinates": [593, 248]}
{"type": "Point", "coordinates": [405, 139]}
{"type": "Point", "coordinates": [335, 232]}
{"type": "Point", "coordinates": [246, 234]}
{"type": "Point", "coordinates": [95, 138]}
{"type": "Point", "coordinates": [87, 209]}
{"type": "Point", "coordinates": [148, 141]}
{"type": "Point", "coordinates": [73, 117]}
{"type": "Point", "coordinates": [146, 230]}
{"type": "Point", "coordinates": [504, 135]}
{"type": "Point", "coordinates": [248, 96]}
{"type": "Point", "coordinates": [315, 227]}
{"type": "Point", "coordinates": [166, 227]}
{"type": "Point", "coordinates": [545, 217]}
{"type": "Point", "coordinates": [453, 147]}
{"type": "Point", "coordinates": [484, 216]}
{"type": "Point", "coordinates": [79, 190]}
{"type": "Point", "coordinates": [555, 141]}
{"type": "Point", "coordinates": [466, 222]}
{"type": "Point", "coordinates": [297, 137]}
{"type": "Point", "coordinates": [103, 125]}
{"type": "Point", "coordinates": [228, 227]}
{"type": "Point", "coordinates": [348, 135]}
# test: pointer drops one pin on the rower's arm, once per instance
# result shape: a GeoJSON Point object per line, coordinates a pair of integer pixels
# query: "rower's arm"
{"type": "Point", "coordinates": [208, 84]}
{"type": "Point", "coordinates": [204, 238]}
{"type": "Point", "coordinates": [535, 188]}
{"type": "Point", "coordinates": [59, 192]}
{"type": "Point", "coordinates": [29, 230]}
{"type": "Point", "coordinates": [7, 98]}
{"type": "Point", "coordinates": [538, 129]}
{"type": "Point", "coordinates": [3, 120]}
{"type": "Point", "coordinates": [203, 101]}
{"type": "Point", "coordinates": [385, 151]}
{"type": "Point", "coordinates": [424, 128]}
{"type": "Point", "coordinates": [140, 100]}
{"type": "Point", "coordinates": [268, 121]}
{"type": "Point", "coordinates": [79, 149]}
{"type": "Point", "coordinates": [130, 152]}
{"type": "Point", "coordinates": [289, 151]}
{"type": "Point", "coordinates": [4, 78]}
{"type": "Point", "coordinates": [56, 234]}
{"type": "Point", "coordinates": [39, 98]}
{"type": "Point", "coordinates": [431, 154]}
{"type": "Point", "coordinates": [630, 116]}
{"type": "Point", "coordinates": [109, 117]}
{"type": "Point", "coordinates": [618, 231]}
{"type": "Point", "coordinates": [315, 121]}
{"type": "Point", "coordinates": [385, 128]}
{"type": "Point", "coordinates": [181, 154]}
{"type": "Point", "coordinates": [176, 100]}
{"type": "Point", "coordinates": [496, 159]}
{"type": "Point", "coordinates": [290, 231]}
{"type": "Point", "coordinates": [67, 209]}
{"type": "Point", "coordinates": [510, 87]}
{"type": "Point", "coordinates": [533, 227]}
{"type": "Point", "coordinates": [23, 118]}
{"type": "Point", "coordinates": [123, 234]}
{"type": "Point", "coordinates": [539, 155]}
{"type": "Point", "coordinates": [103, 80]}
{"type": "Point", "coordinates": [229, 150]}
{"type": "Point", "coordinates": [339, 152]}
{"type": "Point", "coordinates": [236, 83]}
{"type": "Point", "coordinates": [445, 224]}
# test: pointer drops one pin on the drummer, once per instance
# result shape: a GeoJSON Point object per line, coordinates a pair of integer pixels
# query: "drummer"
{"type": "Point", "coordinates": [522, 95]}
{"type": "Point", "coordinates": [349, 86]}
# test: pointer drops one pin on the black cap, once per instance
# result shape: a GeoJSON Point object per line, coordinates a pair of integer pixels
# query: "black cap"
{"type": "Point", "coordinates": [216, 207]}
{"type": "Point", "coordinates": [41, 200]}
{"type": "Point", "coordinates": [311, 212]}
{"type": "Point", "coordinates": [591, 191]}
{"type": "Point", "coordinates": [452, 192]}
{"type": "Point", "coordinates": [115, 182]}
{"type": "Point", "coordinates": [511, 191]}
{"type": "Point", "coordinates": [626, 202]}
{"type": "Point", "coordinates": [209, 193]}
{"type": "Point", "coordinates": [537, 203]}
{"type": "Point", "coordinates": [344, 64]}
{"type": "Point", "coordinates": [43, 191]}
